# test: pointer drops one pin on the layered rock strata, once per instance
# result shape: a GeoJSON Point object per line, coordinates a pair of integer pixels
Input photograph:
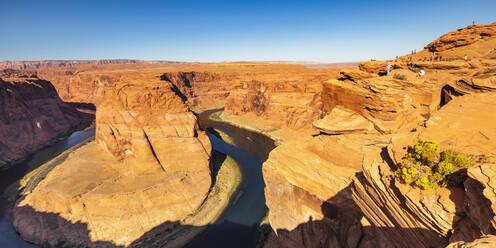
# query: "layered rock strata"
{"type": "Point", "coordinates": [31, 116]}
{"type": "Point", "coordinates": [147, 169]}
{"type": "Point", "coordinates": [308, 190]}
{"type": "Point", "coordinates": [315, 204]}
{"type": "Point", "coordinates": [451, 104]}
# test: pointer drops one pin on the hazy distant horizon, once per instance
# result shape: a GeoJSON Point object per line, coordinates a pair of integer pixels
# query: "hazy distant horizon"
{"type": "Point", "coordinates": [229, 31]}
{"type": "Point", "coordinates": [170, 61]}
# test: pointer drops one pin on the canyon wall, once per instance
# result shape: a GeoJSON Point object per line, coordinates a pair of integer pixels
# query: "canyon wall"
{"type": "Point", "coordinates": [147, 170]}
{"type": "Point", "coordinates": [31, 116]}
{"type": "Point", "coordinates": [339, 189]}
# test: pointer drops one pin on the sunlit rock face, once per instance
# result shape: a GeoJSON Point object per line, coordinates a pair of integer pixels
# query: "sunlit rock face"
{"type": "Point", "coordinates": [31, 115]}
{"type": "Point", "coordinates": [308, 190]}
{"type": "Point", "coordinates": [148, 168]}
{"type": "Point", "coordinates": [317, 196]}
{"type": "Point", "coordinates": [450, 104]}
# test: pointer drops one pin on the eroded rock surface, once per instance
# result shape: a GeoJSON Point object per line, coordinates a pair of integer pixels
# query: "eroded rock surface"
{"type": "Point", "coordinates": [451, 104]}
{"type": "Point", "coordinates": [31, 115]}
{"type": "Point", "coordinates": [148, 168]}
{"type": "Point", "coordinates": [308, 191]}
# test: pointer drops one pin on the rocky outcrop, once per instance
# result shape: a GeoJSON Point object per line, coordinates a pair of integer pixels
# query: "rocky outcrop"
{"type": "Point", "coordinates": [424, 217]}
{"type": "Point", "coordinates": [308, 190]}
{"type": "Point", "coordinates": [401, 216]}
{"type": "Point", "coordinates": [147, 170]}
{"type": "Point", "coordinates": [341, 121]}
{"type": "Point", "coordinates": [463, 37]}
{"type": "Point", "coordinates": [391, 105]}
{"type": "Point", "coordinates": [31, 115]}
{"type": "Point", "coordinates": [451, 104]}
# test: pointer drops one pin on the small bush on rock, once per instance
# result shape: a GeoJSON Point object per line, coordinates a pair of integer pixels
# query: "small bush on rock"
{"type": "Point", "coordinates": [424, 183]}
{"type": "Point", "coordinates": [408, 174]}
{"type": "Point", "coordinates": [423, 152]}
{"type": "Point", "coordinates": [425, 167]}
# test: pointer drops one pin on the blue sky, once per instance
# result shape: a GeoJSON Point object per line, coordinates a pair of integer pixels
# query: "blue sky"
{"type": "Point", "coordinates": [209, 31]}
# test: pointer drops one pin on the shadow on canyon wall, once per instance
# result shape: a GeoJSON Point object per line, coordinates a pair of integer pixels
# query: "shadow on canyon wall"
{"type": "Point", "coordinates": [51, 150]}
{"type": "Point", "coordinates": [339, 228]}
{"type": "Point", "coordinates": [344, 225]}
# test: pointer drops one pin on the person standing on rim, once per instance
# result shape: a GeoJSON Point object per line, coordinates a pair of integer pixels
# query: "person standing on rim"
{"type": "Point", "coordinates": [388, 69]}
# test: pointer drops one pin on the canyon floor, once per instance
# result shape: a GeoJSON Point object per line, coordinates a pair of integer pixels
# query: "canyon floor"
{"type": "Point", "coordinates": [336, 139]}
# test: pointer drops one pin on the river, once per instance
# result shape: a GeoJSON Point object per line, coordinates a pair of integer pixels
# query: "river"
{"type": "Point", "coordinates": [8, 236]}
{"type": "Point", "coordinates": [238, 224]}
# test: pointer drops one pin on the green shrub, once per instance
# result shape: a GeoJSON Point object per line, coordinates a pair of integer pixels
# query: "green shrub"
{"type": "Point", "coordinates": [439, 180]}
{"type": "Point", "coordinates": [424, 183]}
{"type": "Point", "coordinates": [461, 160]}
{"type": "Point", "coordinates": [425, 151]}
{"type": "Point", "coordinates": [444, 168]}
{"type": "Point", "coordinates": [428, 168]}
{"type": "Point", "coordinates": [408, 174]}
{"type": "Point", "coordinates": [448, 155]}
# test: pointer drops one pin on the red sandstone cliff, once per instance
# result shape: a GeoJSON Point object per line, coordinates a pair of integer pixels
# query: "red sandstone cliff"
{"type": "Point", "coordinates": [31, 115]}
{"type": "Point", "coordinates": [147, 169]}
{"type": "Point", "coordinates": [340, 191]}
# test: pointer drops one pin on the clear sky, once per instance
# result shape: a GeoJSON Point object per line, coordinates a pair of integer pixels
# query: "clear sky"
{"type": "Point", "coordinates": [183, 30]}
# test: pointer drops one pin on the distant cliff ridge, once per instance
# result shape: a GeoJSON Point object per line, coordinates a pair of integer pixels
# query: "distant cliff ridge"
{"type": "Point", "coordinates": [19, 65]}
